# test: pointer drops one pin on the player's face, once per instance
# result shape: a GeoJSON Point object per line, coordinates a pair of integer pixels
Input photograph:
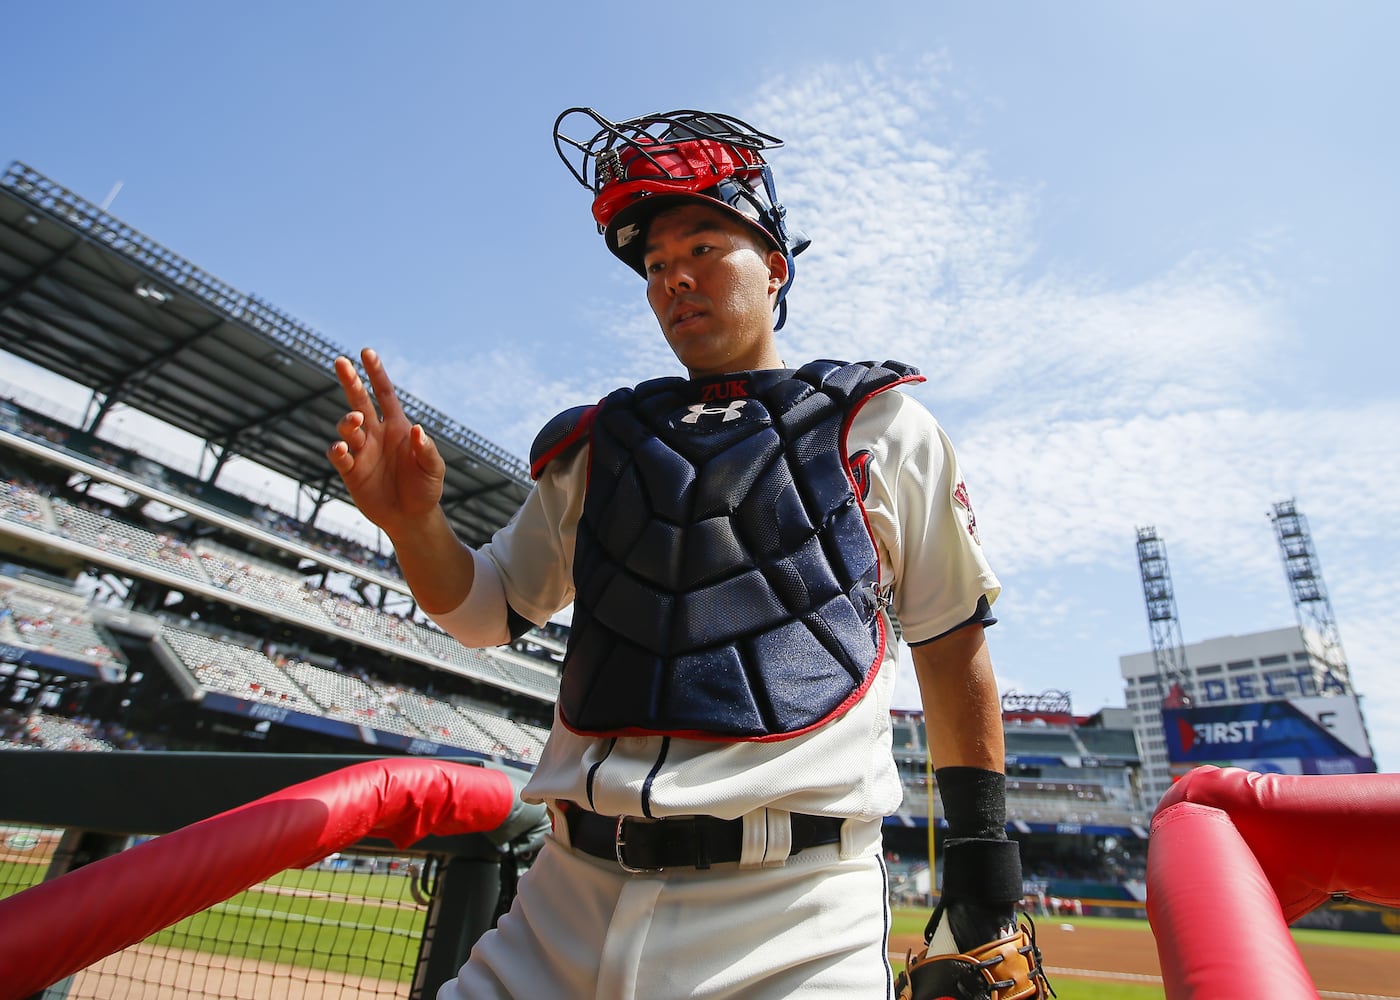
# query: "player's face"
{"type": "Point", "coordinates": [711, 284]}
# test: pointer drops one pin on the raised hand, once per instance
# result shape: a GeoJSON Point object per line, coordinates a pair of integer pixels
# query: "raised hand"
{"type": "Point", "coordinates": [390, 466]}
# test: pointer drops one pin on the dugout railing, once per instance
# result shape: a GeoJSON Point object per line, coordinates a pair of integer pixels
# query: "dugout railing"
{"type": "Point", "coordinates": [91, 806]}
{"type": "Point", "coordinates": [1234, 849]}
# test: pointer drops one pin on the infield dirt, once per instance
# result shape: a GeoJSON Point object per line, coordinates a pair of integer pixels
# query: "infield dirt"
{"type": "Point", "coordinates": [1086, 951]}
{"type": "Point", "coordinates": [1132, 952]}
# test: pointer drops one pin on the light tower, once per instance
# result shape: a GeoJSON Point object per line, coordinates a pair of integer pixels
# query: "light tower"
{"type": "Point", "coordinates": [1304, 575]}
{"type": "Point", "coordinates": [1168, 651]}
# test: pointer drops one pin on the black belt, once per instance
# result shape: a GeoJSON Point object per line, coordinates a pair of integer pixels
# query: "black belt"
{"type": "Point", "coordinates": [643, 845]}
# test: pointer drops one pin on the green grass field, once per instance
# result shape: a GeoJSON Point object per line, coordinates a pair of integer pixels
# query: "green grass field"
{"type": "Point", "coordinates": [368, 923]}
{"type": "Point", "coordinates": [16, 876]}
{"type": "Point", "coordinates": [912, 922]}
{"type": "Point", "coordinates": [336, 921]}
{"type": "Point", "coordinates": [354, 922]}
{"type": "Point", "coordinates": [1346, 939]}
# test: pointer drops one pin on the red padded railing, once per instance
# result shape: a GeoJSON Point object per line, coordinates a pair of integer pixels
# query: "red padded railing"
{"type": "Point", "coordinates": [66, 924]}
{"type": "Point", "coordinates": [1235, 857]}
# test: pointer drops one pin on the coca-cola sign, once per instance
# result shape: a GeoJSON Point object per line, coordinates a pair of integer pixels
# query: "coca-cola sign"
{"type": "Point", "coordinates": [1045, 703]}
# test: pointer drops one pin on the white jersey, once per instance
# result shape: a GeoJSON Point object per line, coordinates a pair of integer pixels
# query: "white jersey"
{"type": "Point", "coordinates": [931, 566]}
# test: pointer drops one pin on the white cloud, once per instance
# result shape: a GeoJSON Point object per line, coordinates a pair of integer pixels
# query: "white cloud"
{"type": "Point", "coordinates": [1067, 490]}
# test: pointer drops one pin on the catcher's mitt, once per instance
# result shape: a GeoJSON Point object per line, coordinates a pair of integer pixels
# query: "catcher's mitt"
{"type": "Point", "coordinates": [1008, 968]}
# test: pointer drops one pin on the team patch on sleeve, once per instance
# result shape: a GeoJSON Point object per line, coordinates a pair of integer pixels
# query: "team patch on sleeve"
{"type": "Point", "coordinates": [961, 498]}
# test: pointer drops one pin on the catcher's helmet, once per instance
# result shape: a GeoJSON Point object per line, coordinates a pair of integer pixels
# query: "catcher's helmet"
{"type": "Point", "coordinates": [638, 167]}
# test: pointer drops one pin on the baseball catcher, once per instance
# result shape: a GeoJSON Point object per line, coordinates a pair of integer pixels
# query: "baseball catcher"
{"type": "Point", "coordinates": [734, 541]}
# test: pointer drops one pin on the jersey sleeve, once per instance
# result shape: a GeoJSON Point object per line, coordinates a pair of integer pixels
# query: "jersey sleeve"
{"type": "Point", "coordinates": [533, 553]}
{"type": "Point", "coordinates": [920, 513]}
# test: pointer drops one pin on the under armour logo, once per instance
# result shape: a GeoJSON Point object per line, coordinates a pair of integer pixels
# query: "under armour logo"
{"type": "Point", "coordinates": [728, 412]}
{"type": "Point", "coordinates": [626, 234]}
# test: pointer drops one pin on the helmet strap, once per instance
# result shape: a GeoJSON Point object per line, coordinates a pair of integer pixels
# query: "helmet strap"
{"type": "Point", "coordinates": [776, 217]}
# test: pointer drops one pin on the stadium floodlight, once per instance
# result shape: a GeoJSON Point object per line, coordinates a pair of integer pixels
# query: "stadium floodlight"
{"type": "Point", "coordinates": [151, 293]}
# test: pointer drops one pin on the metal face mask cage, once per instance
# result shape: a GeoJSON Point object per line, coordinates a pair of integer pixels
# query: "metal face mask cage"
{"type": "Point", "coordinates": [678, 153]}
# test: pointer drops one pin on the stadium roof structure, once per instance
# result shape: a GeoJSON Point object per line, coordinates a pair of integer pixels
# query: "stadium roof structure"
{"type": "Point", "coordinates": [87, 296]}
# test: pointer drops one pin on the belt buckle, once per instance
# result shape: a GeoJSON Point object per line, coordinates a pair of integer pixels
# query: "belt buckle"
{"type": "Point", "coordinates": [619, 847]}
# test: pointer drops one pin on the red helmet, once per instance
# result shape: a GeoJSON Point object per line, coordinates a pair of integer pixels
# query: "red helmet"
{"type": "Point", "coordinates": [640, 166]}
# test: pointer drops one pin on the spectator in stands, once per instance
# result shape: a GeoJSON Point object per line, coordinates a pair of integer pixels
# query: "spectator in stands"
{"type": "Point", "coordinates": [726, 693]}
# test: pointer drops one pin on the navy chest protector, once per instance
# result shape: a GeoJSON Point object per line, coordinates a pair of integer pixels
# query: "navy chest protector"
{"type": "Point", "coordinates": [726, 583]}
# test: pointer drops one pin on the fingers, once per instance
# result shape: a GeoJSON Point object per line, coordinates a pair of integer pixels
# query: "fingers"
{"type": "Point", "coordinates": [354, 427]}
{"type": "Point", "coordinates": [353, 437]}
{"type": "Point", "coordinates": [383, 388]}
{"type": "Point", "coordinates": [358, 396]}
{"type": "Point", "coordinates": [340, 458]}
{"type": "Point", "coordinates": [364, 418]}
{"type": "Point", "coordinates": [425, 453]}
{"type": "Point", "coordinates": [355, 392]}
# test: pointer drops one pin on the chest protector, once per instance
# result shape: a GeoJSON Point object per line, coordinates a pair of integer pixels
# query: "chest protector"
{"type": "Point", "coordinates": [727, 585]}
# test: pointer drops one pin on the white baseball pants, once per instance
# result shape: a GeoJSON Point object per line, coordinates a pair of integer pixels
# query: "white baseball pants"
{"type": "Point", "coordinates": [582, 929]}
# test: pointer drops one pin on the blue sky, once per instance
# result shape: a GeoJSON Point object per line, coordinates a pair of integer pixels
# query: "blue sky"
{"type": "Point", "coordinates": [1144, 251]}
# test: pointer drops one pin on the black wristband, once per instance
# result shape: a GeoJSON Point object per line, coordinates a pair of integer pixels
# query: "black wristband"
{"type": "Point", "coordinates": [974, 802]}
{"type": "Point", "coordinates": [982, 871]}
{"type": "Point", "coordinates": [980, 865]}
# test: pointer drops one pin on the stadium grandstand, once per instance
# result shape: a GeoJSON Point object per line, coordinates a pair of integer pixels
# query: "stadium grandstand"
{"type": "Point", "coordinates": [210, 619]}
{"type": "Point", "coordinates": [203, 628]}
{"type": "Point", "coordinates": [149, 601]}
{"type": "Point", "coordinates": [1074, 799]}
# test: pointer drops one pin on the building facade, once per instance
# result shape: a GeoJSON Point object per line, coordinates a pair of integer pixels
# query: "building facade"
{"type": "Point", "coordinates": [1227, 680]}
